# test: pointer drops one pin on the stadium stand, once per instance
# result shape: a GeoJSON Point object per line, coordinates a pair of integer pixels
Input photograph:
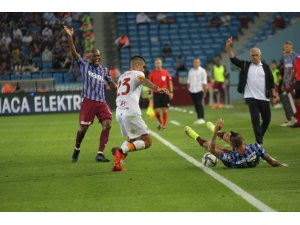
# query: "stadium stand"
{"type": "Point", "coordinates": [187, 34]}
{"type": "Point", "coordinates": [24, 36]}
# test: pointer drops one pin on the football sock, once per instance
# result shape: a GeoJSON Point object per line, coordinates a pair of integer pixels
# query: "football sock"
{"type": "Point", "coordinates": [191, 133]}
{"type": "Point", "coordinates": [77, 149]}
{"type": "Point", "coordinates": [298, 114]}
{"type": "Point", "coordinates": [103, 139]}
{"type": "Point", "coordinates": [157, 114]}
{"type": "Point", "coordinates": [135, 146]}
{"type": "Point", "coordinates": [165, 117]}
{"type": "Point", "coordinates": [79, 138]}
{"type": "Point", "coordinates": [201, 141]}
{"type": "Point", "coordinates": [139, 145]}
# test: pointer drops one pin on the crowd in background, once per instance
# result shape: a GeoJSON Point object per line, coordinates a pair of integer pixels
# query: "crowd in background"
{"type": "Point", "coordinates": [32, 42]}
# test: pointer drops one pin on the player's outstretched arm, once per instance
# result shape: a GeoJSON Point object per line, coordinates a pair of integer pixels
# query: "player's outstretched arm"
{"type": "Point", "coordinates": [70, 32]}
{"type": "Point", "coordinates": [273, 162]}
{"type": "Point", "coordinates": [212, 144]}
{"type": "Point", "coordinates": [144, 81]}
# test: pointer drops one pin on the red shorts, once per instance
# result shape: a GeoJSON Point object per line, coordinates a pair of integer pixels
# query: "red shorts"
{"type": "Point", "coordinates": [218, 86]}
{"type": "Point", "coordinates": [89, 109]}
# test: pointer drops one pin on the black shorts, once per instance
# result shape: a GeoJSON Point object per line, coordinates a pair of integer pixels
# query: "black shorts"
{"type": "Point", "coordinates": [297, 90]}
{"type": "Point", "coordinates": [161, 100]}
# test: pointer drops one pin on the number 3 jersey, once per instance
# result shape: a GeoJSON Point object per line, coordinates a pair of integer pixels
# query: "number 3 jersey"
{"type": "Point", "coordinates": [128, 93]}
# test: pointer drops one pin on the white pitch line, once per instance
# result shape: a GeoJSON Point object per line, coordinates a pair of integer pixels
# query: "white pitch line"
{"type": "Point", "coordinates": [175, 123]}
{"type": "Point", "coordinates": [233, 187]}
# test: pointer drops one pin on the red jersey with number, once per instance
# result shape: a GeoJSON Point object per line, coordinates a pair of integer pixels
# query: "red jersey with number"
{"type": "Point", "coordinates": [160, 78]}
{"type": "Point", "coordinates": [129, 92]}
{"type": "Point", "coordinates": [297, 68]}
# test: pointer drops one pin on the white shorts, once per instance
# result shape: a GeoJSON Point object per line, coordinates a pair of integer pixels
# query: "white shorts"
{"type": "Point", "coordinates": [132, 126]}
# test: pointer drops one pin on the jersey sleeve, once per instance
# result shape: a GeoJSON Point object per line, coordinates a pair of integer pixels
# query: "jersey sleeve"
{"type": "Point", "coordinates": [169, 75]}
{"type": "Point", "coordinates": [261, 151]}
{"type": "Point", "coordinates": [81, 61]}
{"type": "Point", "coordinates": [226, 157]}
{"type": "Point", "coordinates": [106, 75]}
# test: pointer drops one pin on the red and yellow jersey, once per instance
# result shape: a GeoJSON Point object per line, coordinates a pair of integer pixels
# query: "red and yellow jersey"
{"type": "Point", "coordinates": [160, 78]}
{"type": "Point", "coordinates": [297, 68]}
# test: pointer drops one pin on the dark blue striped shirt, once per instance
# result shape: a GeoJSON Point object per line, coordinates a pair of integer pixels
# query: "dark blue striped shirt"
{"type": "Point", "coordinates": [288, 65]}
{"type": "Point", "coordinates": [93, 80]}
{"type": "Point", "coordinates": [250, 159]}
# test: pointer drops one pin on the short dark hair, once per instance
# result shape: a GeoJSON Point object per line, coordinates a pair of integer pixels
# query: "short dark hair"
{"type": "Point", "coordinates": [136, 57]}
{"type": "Point", "coordinates": [236, 139]}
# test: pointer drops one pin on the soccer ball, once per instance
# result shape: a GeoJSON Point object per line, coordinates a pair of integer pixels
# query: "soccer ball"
{"type": "Point", "coordinates": [209, 160]}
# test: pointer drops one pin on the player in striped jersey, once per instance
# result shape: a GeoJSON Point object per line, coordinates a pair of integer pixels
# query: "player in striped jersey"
{"type": "Point", "coordinates": [94, 76]}
{"type": "Point", "coordinates": [242, 156]}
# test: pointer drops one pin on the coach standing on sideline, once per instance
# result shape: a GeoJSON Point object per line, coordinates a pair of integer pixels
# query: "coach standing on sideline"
{"type": "Point", "coordinates": [93, 104]}
{"type": "Point", "coordinates": [257, 83]}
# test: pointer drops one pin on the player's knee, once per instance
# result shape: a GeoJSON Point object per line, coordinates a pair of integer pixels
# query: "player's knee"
{"type": "Point", "coordinates": [106, 125]}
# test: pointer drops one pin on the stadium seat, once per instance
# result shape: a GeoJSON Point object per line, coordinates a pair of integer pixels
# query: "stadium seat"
{"type": "Point", "coordinates": [58, 78]}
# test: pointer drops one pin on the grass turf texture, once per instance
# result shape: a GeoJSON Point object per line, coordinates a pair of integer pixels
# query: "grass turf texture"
{"type": "Point", "coordinates": [36, 173]}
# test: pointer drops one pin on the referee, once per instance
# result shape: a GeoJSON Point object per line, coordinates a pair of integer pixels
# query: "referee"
{"type": "Point", "coordinates": [257, 83]}
{"type": "Point", "coordinates": [161, 101]}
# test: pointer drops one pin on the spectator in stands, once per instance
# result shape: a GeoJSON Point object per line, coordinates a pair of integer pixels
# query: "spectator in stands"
{"type": "Point", "coordinates": [27, 39]}
{"type": "Point", "coordinates": [226, 19]}
{"type": "Point", "coordinates": [218, 74]}
{"type": "Point", "coordinates": [180, 65]}
{"type": "Point", "coordinates": [161, 18]}
{"type": "Point", "coordinates": [244, 21]}
{"type": "Point", "coordinates": [35, 50]}
{"type": "Point", "coordinates": [278, 23]}
{"type": "Point", "coordinates": [17, 33]}
{"type": "Point", "coordinates": [142, 18]}
{"type": "Point", "coordinates": [197, 87]}
{"type": "Point", "coordinates": [5, 40]}
{"type": "Point", "coordinates": [215, 21]}
{"type": "Point", "coordinates": [47, 35]}
{"type": "Point", "coordinates": [122, 41]}
{"type": "Point", "coordinates": [47, 57]}
{"type": "Point", "coordinates": [166, 50]}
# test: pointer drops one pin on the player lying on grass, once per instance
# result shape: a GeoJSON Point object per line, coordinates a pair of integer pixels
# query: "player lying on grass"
{"type": "Point", "coordinates": [242, 156]}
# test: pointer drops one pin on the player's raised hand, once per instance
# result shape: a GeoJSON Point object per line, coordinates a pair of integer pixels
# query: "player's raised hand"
{"type": "Point", "coordinates": [219, 124]}
{"type": "Point", "coordinates": [163, 90]}
{"type": "Point", "coordinates": [69, 31]}
{"type": "Point", "coordinates": [229, 42]}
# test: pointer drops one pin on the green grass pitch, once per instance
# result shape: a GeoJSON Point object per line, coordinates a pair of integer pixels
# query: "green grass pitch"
{"type": "Point", "coordinates": [36, 173]}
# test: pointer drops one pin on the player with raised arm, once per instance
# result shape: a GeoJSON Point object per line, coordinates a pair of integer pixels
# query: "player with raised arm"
{"type": "Point", "coordinates": [242, 156]}
{"type": "Point", "coordinates": [128, 111]}
{"type": "Point", "coordinates": [94, 76]}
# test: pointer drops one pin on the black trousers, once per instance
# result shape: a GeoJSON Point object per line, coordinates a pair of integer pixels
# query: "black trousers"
{"type": "Point", "coordinates": [197, 100]}
{"type": "Point", "coordinates": [257, 108]}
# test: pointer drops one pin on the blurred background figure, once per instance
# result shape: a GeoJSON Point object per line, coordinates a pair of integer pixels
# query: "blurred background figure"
{"type": "Point", "coordinates": [197, 86]}
{"type": "Point", "coordinates": [218, 74]}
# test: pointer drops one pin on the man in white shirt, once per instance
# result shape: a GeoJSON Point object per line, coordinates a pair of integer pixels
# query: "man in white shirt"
{"type": "Point", "coordinates": [257, 84]}
{"type": "Point", "coordinates": [197, 86]}
{"type": "Point", "coordinates": [142, 18]}
{"type": "Point", "coordinates": [128, 111]}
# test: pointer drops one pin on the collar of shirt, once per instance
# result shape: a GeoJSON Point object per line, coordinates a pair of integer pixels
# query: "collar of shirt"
{"type": "Point", "coordinates": [260, 63]}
